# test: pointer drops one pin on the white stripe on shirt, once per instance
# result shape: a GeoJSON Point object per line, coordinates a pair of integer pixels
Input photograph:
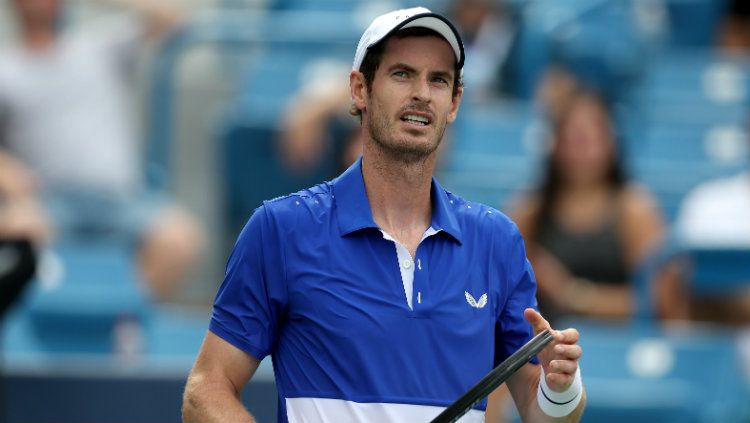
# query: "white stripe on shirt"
{"type": "Point", "coordinates": [325, 410]}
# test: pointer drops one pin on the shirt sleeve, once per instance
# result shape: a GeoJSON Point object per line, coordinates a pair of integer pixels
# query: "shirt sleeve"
{"type": "Point", "coordinates": [512, 330]}
{"type": "Point", "coordinates": [249, 305]}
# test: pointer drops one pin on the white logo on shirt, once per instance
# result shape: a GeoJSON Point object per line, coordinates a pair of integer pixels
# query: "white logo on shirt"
{"type": "Point", "coordinates": [474, 303]}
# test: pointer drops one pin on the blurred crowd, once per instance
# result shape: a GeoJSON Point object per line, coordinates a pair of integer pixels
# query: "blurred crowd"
{"type": "Point", "coordinates": [72, 167]}
{"type": "Point", "coordinates": [72, 164]}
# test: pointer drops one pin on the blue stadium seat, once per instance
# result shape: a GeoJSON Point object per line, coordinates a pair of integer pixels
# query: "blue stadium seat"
{"type": "Point", "coordinates": [254, 172]}
{"type": "Point", "coordinates": [492, 152]}
{"type": "Point", "coordinates": [671, 158]}
{"type": "Point", "coordinates": [529, 56]}
{"type": "Point", "coordinates": [670, 180]}
{"type": "Point", "coordinates": [277, 75]}
{"type": "Point", "coordinates": [716, 144]}
{"type": "Point", "coordinates": [695, 23]}
{"type": "Point", "coordinates": [652, 374]}
{"type": "Point", "coordinates": [603, 48]}
{"type": "Point", "coordinates": [595, 39]}
{"type": "Point", "coordinates": [712, 271]}
{"type": "Point", "coordinates": [701, 78]}
{"type": "Point", "coordinates": [718, 270]}
{"type": "Point", "coordinates": [81, 295]}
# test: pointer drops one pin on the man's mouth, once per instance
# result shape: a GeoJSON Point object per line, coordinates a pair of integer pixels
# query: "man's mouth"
{"type": "Point", "coordinates": [416, 119]}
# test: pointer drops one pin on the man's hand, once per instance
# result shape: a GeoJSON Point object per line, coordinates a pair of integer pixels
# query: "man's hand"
{"type": "Point", "coordinates": [560, 358]}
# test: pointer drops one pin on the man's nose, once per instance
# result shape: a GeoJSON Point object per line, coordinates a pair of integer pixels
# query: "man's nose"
{"type": "Point", "coordinates": [421, 90]}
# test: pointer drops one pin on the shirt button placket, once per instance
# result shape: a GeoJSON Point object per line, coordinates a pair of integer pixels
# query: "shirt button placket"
{"type": "Point", "coordinates": [419, 282]}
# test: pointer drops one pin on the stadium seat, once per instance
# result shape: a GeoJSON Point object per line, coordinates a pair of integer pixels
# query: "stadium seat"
{"type": "Point", "coordinates": [695, 23]}
{"type": "Point", "coordinates": [700, 77]}
{"type": "Point", "coordinates": [253, 171]}
{"type": "Point", "coordinates": [671, 180]}
{"type": "Point", "coordinates": [719, 270]}
{"type": "Point", "coordinates": [672, 158]}
{"type": "Point", "coordinates": [83, 292]}
{"type": "Point", "coordinates": [603, 48]}
{"type": "Point", "coordinates": [492, 152]}
{"type": "Point", "coordinates": [653, 374]}
{"type": "Point", "coordinates": [712, 271]}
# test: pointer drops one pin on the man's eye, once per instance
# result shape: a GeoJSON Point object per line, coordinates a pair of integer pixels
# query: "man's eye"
{"type": "Point", "coordinates": [400, 74]}
{"type": "Point", "coordinates": [440, 80]}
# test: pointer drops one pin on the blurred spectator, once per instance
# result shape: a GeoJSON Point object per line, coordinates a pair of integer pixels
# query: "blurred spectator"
{"type": "Point", "coordinates": [715, 214]}
{"type": "Point", "coordinates": [488, 32]}
{"type": "Point", "coordinates": [318, 115]}
{"type": "Point", "coordinates": [734, 33]}
{"type": "Point", "coordinates": [64, 115]}
{"type": "Point", "coordinates": [586, 226]}
{"type": "Point", "coordinates": [557, 86]}
{"type": "Point", "coordinates": [23, 228]}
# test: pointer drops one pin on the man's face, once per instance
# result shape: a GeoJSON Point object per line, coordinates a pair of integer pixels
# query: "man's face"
{"type": "Point", "coordinates": [411, 100]}
{"type": "Point", "coordinates": [38, 12]}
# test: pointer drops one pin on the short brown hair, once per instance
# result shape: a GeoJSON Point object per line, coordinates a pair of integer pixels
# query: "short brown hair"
{"type": "Point", "coordinates": [374, 56]}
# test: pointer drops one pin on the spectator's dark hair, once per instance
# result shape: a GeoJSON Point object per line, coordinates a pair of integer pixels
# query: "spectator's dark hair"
{"type": "Point", "coordinates": [551, 183]}
{"type": "Point", "coordinates": [374, 55]}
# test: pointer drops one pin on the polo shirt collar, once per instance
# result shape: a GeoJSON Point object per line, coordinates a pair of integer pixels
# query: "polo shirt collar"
{"type": "Point", "coordinates": [353, 207]}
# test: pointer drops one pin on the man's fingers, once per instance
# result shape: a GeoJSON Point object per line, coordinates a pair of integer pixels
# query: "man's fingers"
{"type": "Point", "coordinates": [538, 323]}
{"type": "Point", "coordinates": [572, 352]}
{"type": "Point", "coordinates": [567, 336]}
{"type": "Point", "coordinates": [567, 367]}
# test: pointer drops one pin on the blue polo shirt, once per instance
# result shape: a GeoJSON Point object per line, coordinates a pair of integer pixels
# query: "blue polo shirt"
{"type": "Point", "coordinates": [313, 282]}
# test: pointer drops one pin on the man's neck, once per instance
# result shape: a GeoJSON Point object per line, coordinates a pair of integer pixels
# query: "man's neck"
{"type": "Point", "coordinates": [399, 194]}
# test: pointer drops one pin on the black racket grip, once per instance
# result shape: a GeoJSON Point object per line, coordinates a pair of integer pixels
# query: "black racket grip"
{"type": "Point", "coordinates": [494, 378]}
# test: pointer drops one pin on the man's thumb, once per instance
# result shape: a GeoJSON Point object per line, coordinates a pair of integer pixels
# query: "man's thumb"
{"type": "Point", "coordinates": [538, 323]}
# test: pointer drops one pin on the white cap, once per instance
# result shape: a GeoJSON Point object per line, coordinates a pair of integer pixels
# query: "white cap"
{"type": "Point", "coordinates": [385, 25]}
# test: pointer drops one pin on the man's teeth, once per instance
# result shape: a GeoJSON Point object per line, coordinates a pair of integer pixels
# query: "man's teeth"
{"type": "Point", "coordinates": [416, 119]}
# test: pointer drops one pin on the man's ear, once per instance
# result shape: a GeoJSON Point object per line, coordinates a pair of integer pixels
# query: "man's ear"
{"type": "Point", "coordinates": [456, 102]}
{"type": "Point", "coordinates": [358, 89]}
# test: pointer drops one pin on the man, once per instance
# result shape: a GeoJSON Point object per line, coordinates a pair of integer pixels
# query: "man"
{"type": "Point", "coordinates": [65, 118]}
{"type": "Point", "coordinates": [381, 296]}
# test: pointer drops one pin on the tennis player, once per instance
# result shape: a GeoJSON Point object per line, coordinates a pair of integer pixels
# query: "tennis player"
{"type": "Point", "coordinates": [381, 296]}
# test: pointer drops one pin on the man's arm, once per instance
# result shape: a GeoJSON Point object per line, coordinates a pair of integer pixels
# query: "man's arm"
{"type": "Point", "coordinates": [16, 180]}
{"type": "Point", "coordinates": [162, 16]}
{"type": "Point", "coordinates": [560, 363]}
{"type": "Point", "coordinates": [212, 393]}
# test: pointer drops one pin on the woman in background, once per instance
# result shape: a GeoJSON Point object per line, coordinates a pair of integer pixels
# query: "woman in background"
{"type": "Point", "coordinates": [586, 227]}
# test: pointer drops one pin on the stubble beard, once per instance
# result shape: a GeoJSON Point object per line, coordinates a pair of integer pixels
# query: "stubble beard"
{"type": "Point", "coordinates": [381, 131]}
